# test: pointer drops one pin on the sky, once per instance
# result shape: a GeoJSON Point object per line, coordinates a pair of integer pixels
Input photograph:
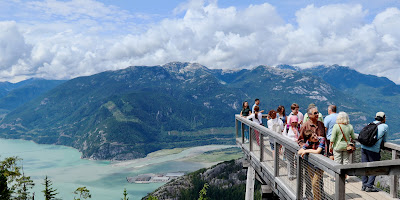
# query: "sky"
{"type": "Point", "coordinates": [64, 39]}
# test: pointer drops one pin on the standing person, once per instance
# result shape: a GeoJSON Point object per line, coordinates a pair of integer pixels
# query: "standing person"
{"type": "Point", "coordinates": [295, 111]}
{"type": "Point", "coordinates": [372, 153]}
{"type": "Point", "coordinates": [342, 134]}
{"type": "Point", "coordinates": [257, 118]}
{"type": "Point", "coordinates": [314, 144]}
{"type": "Point", "coordinates": [313, 124]}
{"type": "Point", "coordinates": [244, 113]}
{"type": "Point", "coordinates": [292, 135]}
{"type": "Point", "coordinates": [329, 122]}
{"type": "Point", "coordinates": [281, 114]}
{"type": "Point", "coordinates": [320, 117]}
{"type": "Point", "coordinates": [256, 103]}
{"type": "Point", "coordinates": [293, 132]}
{"type": "Point", "coordinates": [276, 126]}
{"type": "Point", "coordinates": [245, 110]}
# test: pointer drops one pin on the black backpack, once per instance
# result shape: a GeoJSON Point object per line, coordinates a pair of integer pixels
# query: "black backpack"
{"type": "Point", "coordinates": [369, 134]}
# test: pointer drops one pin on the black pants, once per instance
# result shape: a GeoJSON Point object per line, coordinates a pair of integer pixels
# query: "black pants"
{"type": "Point", "coordinates": [369, 156]}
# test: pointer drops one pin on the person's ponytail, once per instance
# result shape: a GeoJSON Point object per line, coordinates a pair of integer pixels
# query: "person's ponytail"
{"type": "Point", "coordinates": [256, 109]}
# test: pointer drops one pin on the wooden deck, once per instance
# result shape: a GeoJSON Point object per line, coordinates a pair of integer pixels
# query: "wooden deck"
{"type": "Point", "coordinates": [353, 186]}
{"type": "Point", "coordinates": [271, 168]}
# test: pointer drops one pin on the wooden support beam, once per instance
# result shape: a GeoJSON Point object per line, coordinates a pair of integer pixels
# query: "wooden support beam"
{"type": "Point", "coordinates": [299, 180]}
{"type": "Point", "coordinates": [250, 139]}
{"type": "Point", "coordinates": [246, 164]}
{"type": "Point", "coordinates": [243, 129]}
{"type": "Point", "coordinates": [394, 180]}
{"type": "Point", "coordinates": [251, 173]}
{"type": "Point", "coordinates": [266, 192]}
{"type": "Point", "coordinates": [262, 147]}
{"type": "Point", "coordinates": [236, 128]}
{"type": "Point", "coordinates": [340, 192]}
{"type": "Point", "coordinates": [276, 160]}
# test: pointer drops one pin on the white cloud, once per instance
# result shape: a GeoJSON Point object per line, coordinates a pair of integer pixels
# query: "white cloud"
{"type": "Point", "coordinates": [65, 39]}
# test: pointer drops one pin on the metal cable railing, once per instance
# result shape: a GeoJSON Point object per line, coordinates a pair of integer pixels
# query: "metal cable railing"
{"type": "Point", "coordinates": [315, 176]}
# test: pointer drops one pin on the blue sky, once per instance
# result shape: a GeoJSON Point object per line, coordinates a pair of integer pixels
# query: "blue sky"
{"type": "Point", "coordinates": [63, 39]}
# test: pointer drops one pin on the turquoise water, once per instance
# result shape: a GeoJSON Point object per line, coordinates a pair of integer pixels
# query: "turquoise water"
{"type": "Point", "coordinates": [104, 179]}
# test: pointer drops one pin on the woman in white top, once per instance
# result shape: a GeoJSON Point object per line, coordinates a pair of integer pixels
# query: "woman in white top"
{"type": "Point", "coordinates": [275, 125]}
{"type": "Point", "coordinates": [256, 116]}
{"type": "Point", "coordinates": [293, 135]}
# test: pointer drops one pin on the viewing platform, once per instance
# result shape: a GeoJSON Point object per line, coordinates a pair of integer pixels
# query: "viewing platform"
{"type": "Point", "coordinates": [289, 176]}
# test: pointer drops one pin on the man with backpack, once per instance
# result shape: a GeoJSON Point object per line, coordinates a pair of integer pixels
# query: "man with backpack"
{"type": "Point", "coordinates": [371, 138]}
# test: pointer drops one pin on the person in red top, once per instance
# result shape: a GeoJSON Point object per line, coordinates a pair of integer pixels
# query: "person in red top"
{"type": "Point", "coordinates": [313, 124]}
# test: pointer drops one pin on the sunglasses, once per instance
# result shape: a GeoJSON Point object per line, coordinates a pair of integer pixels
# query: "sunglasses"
{"type": "Point", "coordinates": [316, 113]}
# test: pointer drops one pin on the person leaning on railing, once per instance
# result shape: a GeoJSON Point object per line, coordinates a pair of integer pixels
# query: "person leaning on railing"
{"type": "Point", "coordinates": [372, 153]}
{"type": "Point", "coordinates": [313, 144]}
{"type": "Point", "coordinates": [338, 141]}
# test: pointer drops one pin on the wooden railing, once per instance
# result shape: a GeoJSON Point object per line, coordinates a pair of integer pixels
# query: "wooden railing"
{"type": "Point", "coordinates": [275, 168]}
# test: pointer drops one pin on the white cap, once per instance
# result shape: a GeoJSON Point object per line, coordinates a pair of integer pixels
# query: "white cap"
{"type": "Point", "coordinates": [380, 114]}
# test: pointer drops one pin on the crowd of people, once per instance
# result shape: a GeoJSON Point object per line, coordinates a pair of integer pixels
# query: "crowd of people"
{"type": "Point", "coordinates": [329, 136]}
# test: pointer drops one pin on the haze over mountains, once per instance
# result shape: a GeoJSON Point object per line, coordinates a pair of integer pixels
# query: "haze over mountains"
{"type": "Point", "coordinates": [129, 113]}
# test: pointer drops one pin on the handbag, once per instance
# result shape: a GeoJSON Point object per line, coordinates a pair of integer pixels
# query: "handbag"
{"type": "Point", "coordinates": [350, 146]}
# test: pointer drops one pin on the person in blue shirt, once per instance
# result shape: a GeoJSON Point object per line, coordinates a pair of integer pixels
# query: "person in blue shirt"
{"type": "Point", "coordinates": [256, 103]}
{"type": "Point", "coordinates": [329, 122]}
{"type": "Point", "coordinates": [372, 153]}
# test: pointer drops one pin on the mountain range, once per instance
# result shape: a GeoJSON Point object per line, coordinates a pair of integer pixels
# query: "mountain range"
{"type": "Point", "coordinates": [128, 113]}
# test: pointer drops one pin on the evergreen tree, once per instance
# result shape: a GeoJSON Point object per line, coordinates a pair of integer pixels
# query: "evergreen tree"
{"type": "Point", "coordinates": [18, 183]}
{"type": "Point", "coordinates": [49, 192]}
{"type": "Point", "coordinates": [5, 192]}
{"type": "Point", "coordinates": [203, 192]}
{"type": "Point", "coordinates": [83, 193]}
{"type": "Point", "coordinates": [125, 194]}
{"type": "Point", "coordinates": [24, 183]}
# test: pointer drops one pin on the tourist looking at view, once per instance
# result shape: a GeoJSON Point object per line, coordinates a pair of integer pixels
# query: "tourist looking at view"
{"type": "Point", "coordinates": [256, 103]}
{"type": "Point", "coordinates": [320, 117]}
{"type": "Point", "coordinates": [281, 114]}
{"type": "Point", "coordinates": [341, 132]}
{"type": "Point", "coordinates": [329, 122]}
{"type": "Point", "coordinates": [313, 124]}
{"type": "Point", "coordinates": [372, 153]}
{"type": "Point", "coordinates": [295, 111]}
{"type": "Point", "coordinates": [245, 110]}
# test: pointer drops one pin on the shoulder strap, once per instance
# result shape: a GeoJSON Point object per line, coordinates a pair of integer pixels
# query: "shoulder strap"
{"type": "Point", "coordinates": [343, 134]}
{"type": "Point", "coordinates": [379, 123]}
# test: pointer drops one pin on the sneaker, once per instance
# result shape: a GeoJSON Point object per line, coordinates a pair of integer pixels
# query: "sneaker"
{"type": "Point", "coordinates": [371, 189]}
{"type": "Point", "coordinates": [363, 188]}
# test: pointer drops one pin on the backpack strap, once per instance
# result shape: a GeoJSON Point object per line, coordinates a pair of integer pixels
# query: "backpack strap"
{"type": "Point", "coordinates": [379, 123]}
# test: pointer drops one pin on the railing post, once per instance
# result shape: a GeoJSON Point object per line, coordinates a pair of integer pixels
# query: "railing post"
{"type": "Point", "coordinates": [250, 139]}
{"type": "Point", "coordinates": [276, 159]}
{"type": "Point", "coordinates": [299, 180]}
{"type": "Point", "coordinates": [236, 128]}
{"type": "Point", "coordinates": [243, 127]}
{"type": "Point", "coordinates": [262, 147]}
{"type": "Point", "coordinates": [394, 181]}
{"type": "Point", "coordinates": [352, 157]}
{"type": "Point", "coordinates": [340, 192]}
